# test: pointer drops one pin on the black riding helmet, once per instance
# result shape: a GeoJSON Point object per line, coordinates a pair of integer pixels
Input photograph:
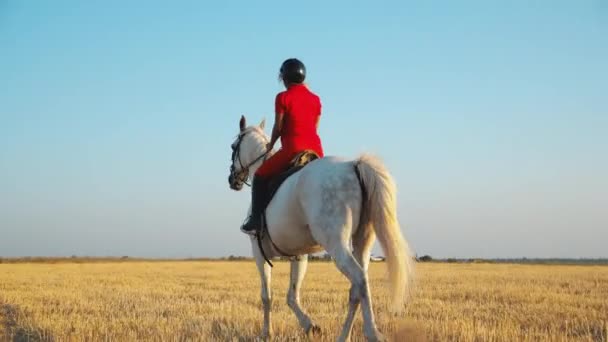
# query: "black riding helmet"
{"type": "Point", "coordinates": [293, 71]}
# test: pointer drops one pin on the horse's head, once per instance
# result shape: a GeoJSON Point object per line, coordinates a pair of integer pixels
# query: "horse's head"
{"type": "Point", "coordinates": [248, 152]}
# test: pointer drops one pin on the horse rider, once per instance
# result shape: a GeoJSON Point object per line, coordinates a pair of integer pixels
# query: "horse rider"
{"type": "Point", "coordinates": [297, 114]}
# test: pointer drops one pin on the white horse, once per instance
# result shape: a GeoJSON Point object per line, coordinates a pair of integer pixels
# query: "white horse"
{"type": "Point", "coordinates": [335, 205]}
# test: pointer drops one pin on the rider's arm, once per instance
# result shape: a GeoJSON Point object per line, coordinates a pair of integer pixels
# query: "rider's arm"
{"type": "Point", "coordinates": [277, 128]}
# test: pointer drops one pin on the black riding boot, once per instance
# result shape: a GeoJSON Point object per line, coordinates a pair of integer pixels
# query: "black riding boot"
{"type": "Point", "coordinates": [258, 203]}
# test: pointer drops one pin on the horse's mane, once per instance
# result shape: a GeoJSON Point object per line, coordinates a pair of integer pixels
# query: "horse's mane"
{"type": "Point", "coordinates": [256, 129]}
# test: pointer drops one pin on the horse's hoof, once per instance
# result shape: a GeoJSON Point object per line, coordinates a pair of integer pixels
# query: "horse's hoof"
{"type": "Point", "coordinates": [264, 337]}
{"type": "Point", "coordinates": [314, 330]}
{"type": "Point", "coordinates": [378, 337]}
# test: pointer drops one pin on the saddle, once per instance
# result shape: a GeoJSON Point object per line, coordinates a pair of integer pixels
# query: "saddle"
{"type": "Point", "coordinates": [296, 164]}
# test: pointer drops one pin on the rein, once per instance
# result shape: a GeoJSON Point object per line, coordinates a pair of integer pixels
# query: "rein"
{"type": "Point", "coordinates": [264, 155]}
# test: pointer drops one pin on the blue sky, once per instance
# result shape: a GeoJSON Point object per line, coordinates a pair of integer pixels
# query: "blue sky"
{"type": "Point", "coordinates": [116, 119]}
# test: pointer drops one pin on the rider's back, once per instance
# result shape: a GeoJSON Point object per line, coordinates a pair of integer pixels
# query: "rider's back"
{"type": "Point", "coordinates": [301, 108]}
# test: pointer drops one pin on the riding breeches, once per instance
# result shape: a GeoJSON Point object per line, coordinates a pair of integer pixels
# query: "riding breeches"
{"type": "Point", "coordinates": [276, 164]}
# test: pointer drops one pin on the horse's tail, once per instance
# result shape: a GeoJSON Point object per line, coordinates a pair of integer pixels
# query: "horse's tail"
{"type": "Point", "coordinates": [380, 210]}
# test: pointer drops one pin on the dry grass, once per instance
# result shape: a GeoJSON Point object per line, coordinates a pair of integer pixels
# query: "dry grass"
{"type": "Point", "coordinates": [174, 301]}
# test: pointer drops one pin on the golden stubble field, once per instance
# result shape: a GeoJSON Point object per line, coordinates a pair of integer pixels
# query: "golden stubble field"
{"type": "Point", "coordinates": [219, 301]}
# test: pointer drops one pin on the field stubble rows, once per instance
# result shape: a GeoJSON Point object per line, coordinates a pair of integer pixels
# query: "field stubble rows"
{"type": "Point", "coordinates": [174, 301]}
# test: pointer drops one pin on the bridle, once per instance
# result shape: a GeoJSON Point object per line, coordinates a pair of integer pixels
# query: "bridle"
{"type": "Point", "coordinates": [243, 174]}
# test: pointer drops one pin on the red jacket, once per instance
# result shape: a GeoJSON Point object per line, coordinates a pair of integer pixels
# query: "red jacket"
{"type": "Point", "coordinates": [301, 108]}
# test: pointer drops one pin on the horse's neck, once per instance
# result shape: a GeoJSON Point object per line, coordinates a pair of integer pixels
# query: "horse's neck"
{"type": "Point", "coordinates": [256, 151]}
{"type": "Point", "coordinates": [257, 165]}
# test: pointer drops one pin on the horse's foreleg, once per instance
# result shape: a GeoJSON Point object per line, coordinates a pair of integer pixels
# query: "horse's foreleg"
{"type": "Point", "coordinates": [298, 270]}
{"type": "Point", "coordinates": [362, 246]}
{"type": "Point", "coordinates": [266, 293]}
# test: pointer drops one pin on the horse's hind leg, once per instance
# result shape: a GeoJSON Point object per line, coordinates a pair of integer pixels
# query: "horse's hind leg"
{"type": "Point", "coordinates": [266, 294]}
{"type": "Point", "coordinates": [349, 266]}
{"type": "Point", "coordinates": [298, 270]}
{"type": "Point", "coordinates": [363, 242]}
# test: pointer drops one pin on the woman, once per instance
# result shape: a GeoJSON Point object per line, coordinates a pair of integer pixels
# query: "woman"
{"type": "Point", "coordinates": [297, 114]}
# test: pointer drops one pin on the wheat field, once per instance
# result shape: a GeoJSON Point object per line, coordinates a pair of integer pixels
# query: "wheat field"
{"type": "Point", "coordinates": [219, 301]}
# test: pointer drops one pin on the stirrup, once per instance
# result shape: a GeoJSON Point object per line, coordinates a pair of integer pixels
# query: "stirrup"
{"type": "Point", "coordinates": [252, 232]}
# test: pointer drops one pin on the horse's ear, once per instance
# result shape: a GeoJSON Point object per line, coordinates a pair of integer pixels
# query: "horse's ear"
{"type": "Point", "coordinates": [243, 123]}
{"type": "Point", "coordinates": [263, 124]}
